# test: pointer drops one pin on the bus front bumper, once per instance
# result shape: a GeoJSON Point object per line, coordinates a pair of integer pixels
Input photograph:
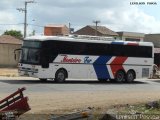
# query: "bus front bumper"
{"type": "Point", "coordinates": [27, 70]}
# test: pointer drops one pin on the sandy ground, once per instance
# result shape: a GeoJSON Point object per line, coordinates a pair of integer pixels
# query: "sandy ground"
{"type": "Point", "coordinates": [9, 72]}
{"type": "Point", "coordinates": [63, 102]}
{"type": "Point", "coordinates": [60, 102]}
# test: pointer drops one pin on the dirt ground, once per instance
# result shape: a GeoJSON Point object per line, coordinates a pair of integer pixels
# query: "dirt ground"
{"type": "Point", "coordinates": [9, 72]}
{"type": "Point", "coordinates": [58, 102]}
{"type": "Point", "coordinates": [61, 102]}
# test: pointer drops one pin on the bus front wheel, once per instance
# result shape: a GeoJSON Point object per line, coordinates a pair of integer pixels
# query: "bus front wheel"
{"type": "Point", "coordinates": [60, 76]}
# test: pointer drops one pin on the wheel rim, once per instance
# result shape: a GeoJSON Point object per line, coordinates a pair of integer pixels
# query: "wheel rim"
{"type": "Point", "coordinates": [120, 77]}
{"type": "Point", "coordinates": [60, 76]}
{"type": "Point", "coordinates": [130, 76]}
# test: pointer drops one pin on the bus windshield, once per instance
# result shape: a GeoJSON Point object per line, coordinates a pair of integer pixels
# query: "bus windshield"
{"type": "Point", "coordinates": [30, 52]}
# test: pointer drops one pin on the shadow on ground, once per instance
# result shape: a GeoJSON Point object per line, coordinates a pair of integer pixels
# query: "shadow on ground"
{"type": "Point", "coordinates": [68, 82]}
{"type": "Point", "coordinates": [158, 81]}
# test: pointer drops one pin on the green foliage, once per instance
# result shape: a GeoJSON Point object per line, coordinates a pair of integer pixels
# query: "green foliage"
{"type": "Point", "coordinates": [139, 109]}
{"type": "Point", "coordinates": [13, 33]}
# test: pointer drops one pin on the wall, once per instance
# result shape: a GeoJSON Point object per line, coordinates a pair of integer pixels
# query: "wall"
{"type": "Point", "coordinates": [131, 36]}
{"type": "Point", "coordinates": [49, 31]}
{"type": "Point", "coordinates": [154, 38]}
{"type": "Point", "coordinates": [53, 31]}
{"type": "Point", "coordinates": [7, 55]}
{"type": "Point", "coordinates": [138, 39]}
{"type": "Point", "coordinates": [65, 31]}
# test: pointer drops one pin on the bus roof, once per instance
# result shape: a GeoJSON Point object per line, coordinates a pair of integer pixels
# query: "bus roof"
{"type": "Point", "coordinates": [88, 39]}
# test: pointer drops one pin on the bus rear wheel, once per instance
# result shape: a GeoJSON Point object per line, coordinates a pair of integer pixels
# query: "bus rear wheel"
{"type": "Point", "coordinates": [120, 76]}
{"type": "Point", "coordinates": [130, 76]}
{"type": "Point", "coordinates": [60, 76]}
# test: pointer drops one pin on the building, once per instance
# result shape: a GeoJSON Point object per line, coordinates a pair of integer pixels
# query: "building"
{"type": "Point", "coordinates": [131, 36]}
{"type": "Point", "coordinates": [7, 46]}
{"type": "Point", "coordinates": [54, 30]}
{"type": "Point", "coordinates": [155, 39]}
{"type": "Point", "coordinates": [91, 30]}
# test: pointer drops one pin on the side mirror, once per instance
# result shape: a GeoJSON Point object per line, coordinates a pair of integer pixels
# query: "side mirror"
{"type": "Point", "coordinates": [15, 56]}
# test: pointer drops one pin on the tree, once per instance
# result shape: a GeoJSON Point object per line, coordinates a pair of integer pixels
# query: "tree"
{"type": "Point", "coordinates": [13, 33]}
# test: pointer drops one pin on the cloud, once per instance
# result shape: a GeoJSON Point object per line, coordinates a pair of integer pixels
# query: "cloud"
{"type": "Point", "coordinates": [10, 18]}
{"type": "Point", "coordinates": [8, 22]}
{"type": "Point", "coordinates": [79, 13]}
{"type": "Point", "coordinates": [116, 15]}
{"type": "Point", "coordinates": [130, 19]}
{"type": "Point", "coordinates": [79, 3]}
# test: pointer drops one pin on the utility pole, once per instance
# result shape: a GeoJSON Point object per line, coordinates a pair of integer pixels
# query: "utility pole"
{"type": "Point", "coordinates": [96, 22]}
{"type": "Point", "coordinates": [69, 28]}
{"type": "Point", "coordinates": [25, 16]}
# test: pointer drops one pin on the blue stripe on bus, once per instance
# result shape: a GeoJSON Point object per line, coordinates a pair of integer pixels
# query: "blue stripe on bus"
{"type": "Point", "coordinates": [100, 67]}
{"type": "Point", "coordinates": [118, 43]}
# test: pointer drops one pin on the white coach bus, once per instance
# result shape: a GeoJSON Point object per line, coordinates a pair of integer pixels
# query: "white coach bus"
{"type": "Point", "coordinates": [58, 58]}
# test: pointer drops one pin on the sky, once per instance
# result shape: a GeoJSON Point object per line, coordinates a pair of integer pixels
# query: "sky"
{"type": "Point", "coordinates": [117, 15]}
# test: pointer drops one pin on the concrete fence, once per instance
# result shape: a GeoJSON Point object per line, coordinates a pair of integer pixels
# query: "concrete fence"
{"type": "Point", "coordinates": [7, 55]}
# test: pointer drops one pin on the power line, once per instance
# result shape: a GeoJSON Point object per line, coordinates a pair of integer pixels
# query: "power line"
{"type": "Point", "coordinates": [36, 25]}
{"type": "Point", "coordinates": [10, 24]}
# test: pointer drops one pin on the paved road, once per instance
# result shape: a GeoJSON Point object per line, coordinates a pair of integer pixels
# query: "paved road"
{"type": "Point", "coordinates": [51, 96]}
{"type": "Point", "coordinates": [7, 85]}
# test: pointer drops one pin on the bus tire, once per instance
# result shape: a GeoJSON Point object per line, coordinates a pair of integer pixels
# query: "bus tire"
{"type": "Point", "coordinates": [43, 79]}
{"type": "Point", "coordinates": [60, 76]}
{"type": "Point", "coordinates": [130, 76]}
{"type": "Point", "coordinates": [120, 76]}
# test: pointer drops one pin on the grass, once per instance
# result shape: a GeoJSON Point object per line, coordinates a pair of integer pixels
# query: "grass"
{"type": "Point", "coordinates": [136, 112]}
{"type": "Point", "coordinates": [139, 109]}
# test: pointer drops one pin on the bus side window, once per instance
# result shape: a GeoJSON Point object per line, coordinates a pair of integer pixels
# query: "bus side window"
{"type": "Point", "coordinates": [44, 59]}
{"type": "Point", "coordinates": [79, 48]}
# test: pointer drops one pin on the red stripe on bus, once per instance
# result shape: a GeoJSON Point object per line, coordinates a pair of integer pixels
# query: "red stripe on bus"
{"type": "Point", "coordinates": [134, 44]}
{"type": "Point", "coordinates": [117, 63]}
